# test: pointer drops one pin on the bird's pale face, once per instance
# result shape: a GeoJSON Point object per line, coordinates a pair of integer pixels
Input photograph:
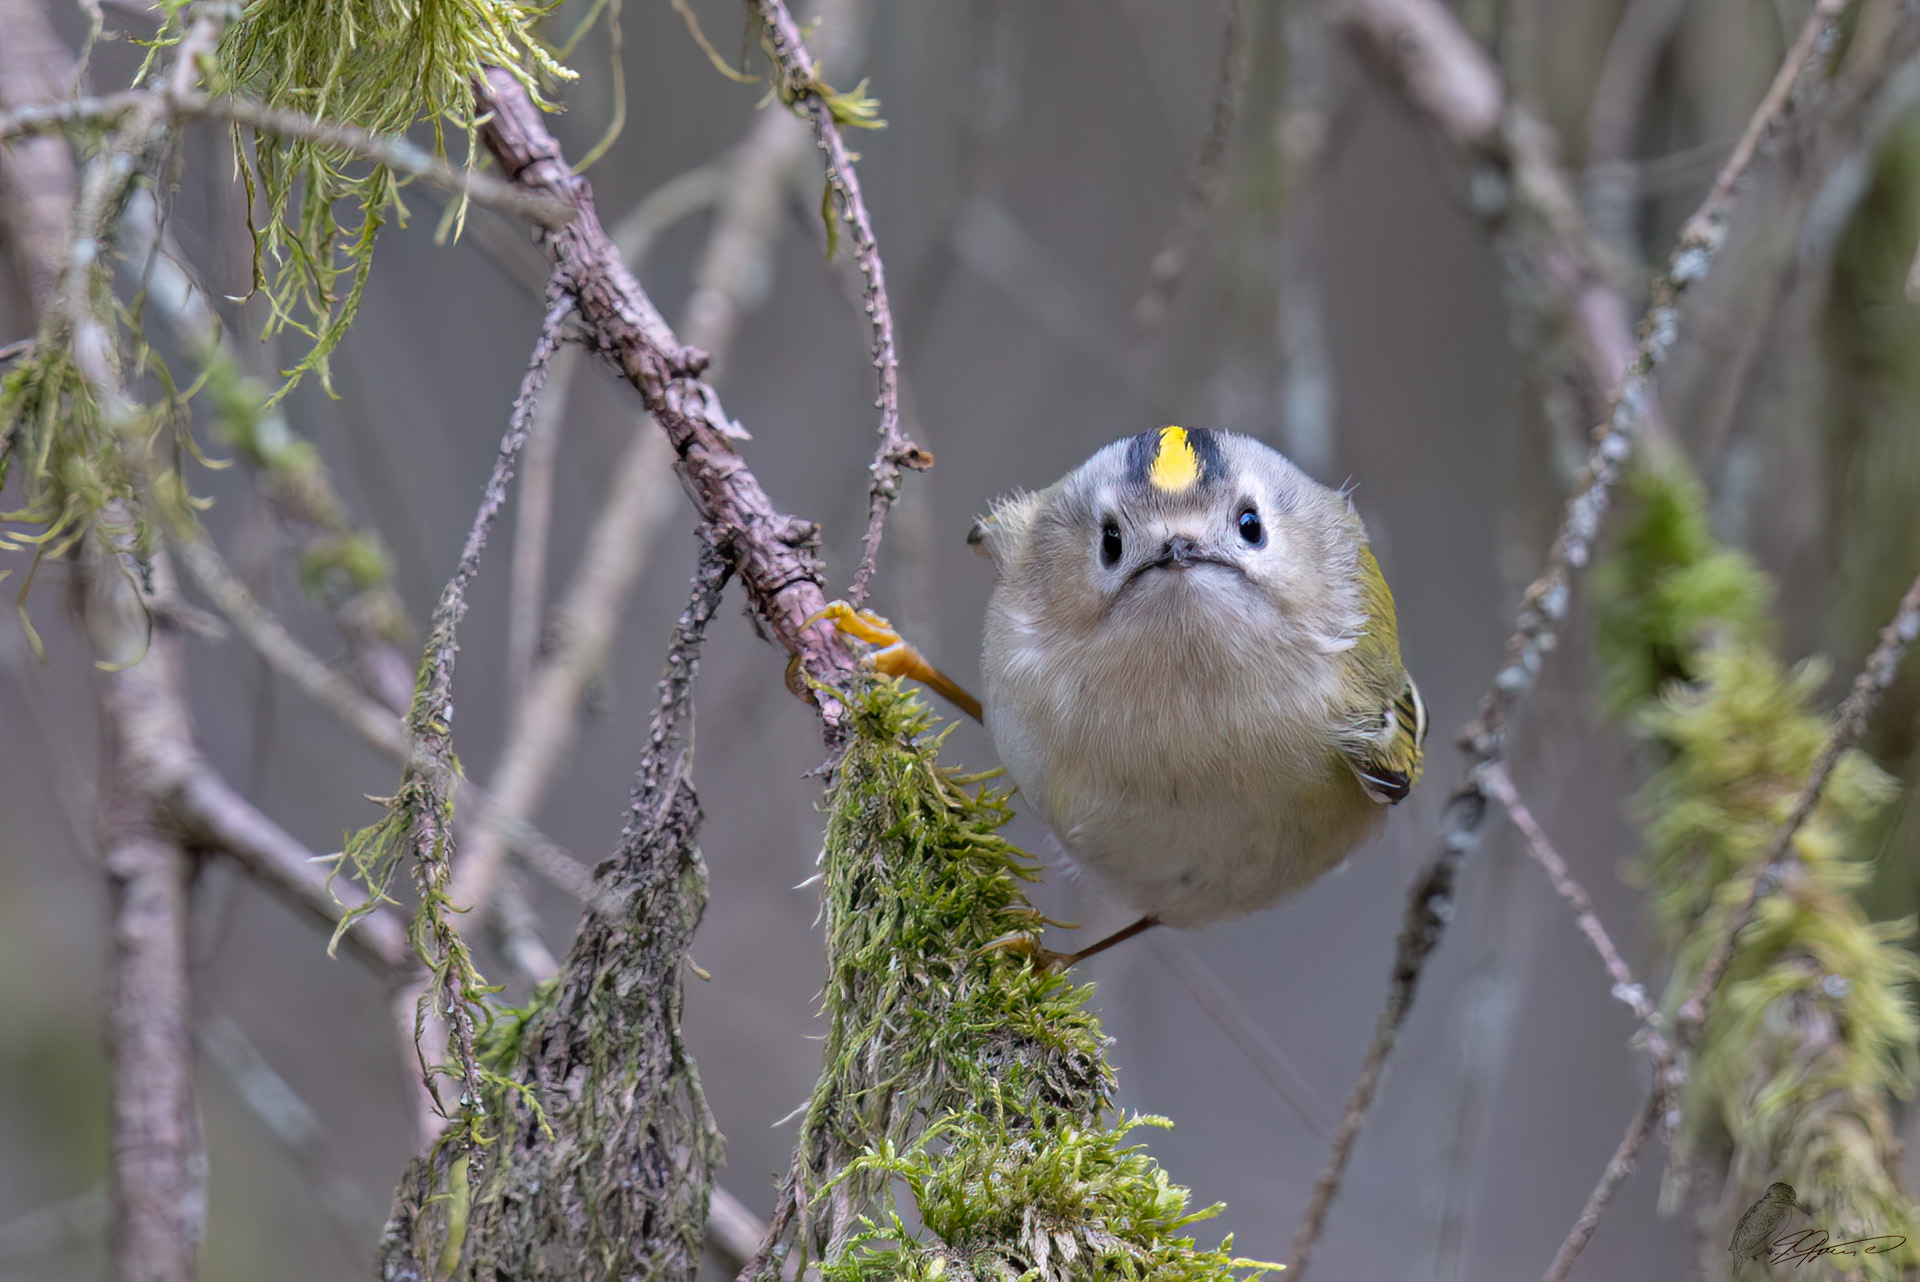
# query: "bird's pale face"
{"type": "Point", "coordinates": [1218, 536]}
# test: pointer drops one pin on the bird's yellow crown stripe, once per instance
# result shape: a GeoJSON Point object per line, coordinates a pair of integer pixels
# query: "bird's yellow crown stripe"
{"type": "Point", "coordinates": [1176, 465]}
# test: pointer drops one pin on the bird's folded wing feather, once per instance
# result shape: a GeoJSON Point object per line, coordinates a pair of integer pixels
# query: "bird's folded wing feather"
{"type": "Point", "coordinates": [1383, 746]}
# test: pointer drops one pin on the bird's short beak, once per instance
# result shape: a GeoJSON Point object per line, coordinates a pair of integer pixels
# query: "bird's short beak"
{"type": "Point", "coordinates": [1180, 552]}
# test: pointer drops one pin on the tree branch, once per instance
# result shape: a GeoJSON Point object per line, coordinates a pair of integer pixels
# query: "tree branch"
{"type": "Point", "coordinates": [36, 175]}
{"type": "Point", "coordinates": [775, 554]}
{"type": "Point", "coordinates": [732, 271]}
{"type": "Point", "coordinates": [283, 652]}
{"type": "Point", "coordinates": [424, 803]}
{"type": "Point", "coordinates": [158, 1196]}
{"type": "Point", "coordinates": [211, 816]}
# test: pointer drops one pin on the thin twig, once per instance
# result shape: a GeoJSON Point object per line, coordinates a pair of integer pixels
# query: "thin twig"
{"type": "Point", "coordinates": [1206, 184]}
{"type": "Point", "coordinates": [430, 724]}
{"type": "Point", "coordinates": [533, 529]}
{"type": "Point", "coordinates": [48, 117]}
{"type": "Point", "coordinates": [1618, 1168]}
{"type": "Point", "coordinates": [1707, 227]}
{"type": "Point", "coordinates": [801, 84]}
{"type": "Point", "coordinates": [1430, 903]}
{"type": "Point", "coordinates": [291, 1120]}
{"type": "Point", "coordinates": [1771, 870]}
{"type": "Point", "coordinates": [395, 153]}
{"type": "Point", "coordinates": [516, 930]}
{"type": "Point", "coordinates": [1499, 785]}
{"type": "Point", "coordinates": [1206, 987]}
{"type": "Point", "coordinates": [1613, 182]}
{"type": "Point", "coordinates": [542, 722]}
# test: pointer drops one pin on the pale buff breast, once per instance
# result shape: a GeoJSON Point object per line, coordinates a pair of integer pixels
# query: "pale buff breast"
{"type": "Point", "coordinates": [1173, 766]}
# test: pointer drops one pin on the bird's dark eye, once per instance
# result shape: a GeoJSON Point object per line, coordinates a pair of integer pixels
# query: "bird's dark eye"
{"type": "Point", "coordinates": [1252, 533]}
{"type": "Point", "coordinates": [1110, 545]}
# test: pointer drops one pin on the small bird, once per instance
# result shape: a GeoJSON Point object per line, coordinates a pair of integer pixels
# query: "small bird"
{"type": "Point", "coordinates": [1753, 1236]}
{"type": "Point", "coordinates": [1193, 673]}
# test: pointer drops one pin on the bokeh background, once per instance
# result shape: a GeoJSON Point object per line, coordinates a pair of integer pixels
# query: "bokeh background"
{"type": "Point", "coordinates": [1342, 301]}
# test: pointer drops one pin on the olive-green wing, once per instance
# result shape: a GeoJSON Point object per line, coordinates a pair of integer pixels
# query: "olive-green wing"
{"type": "Point", "coordinates": [1382, 741]}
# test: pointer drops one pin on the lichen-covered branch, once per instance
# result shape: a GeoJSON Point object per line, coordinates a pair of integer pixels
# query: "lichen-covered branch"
{"type": "Point", "coordinates": [602, 1149]}
{"type": "Point", "coordinates": [418, 826]}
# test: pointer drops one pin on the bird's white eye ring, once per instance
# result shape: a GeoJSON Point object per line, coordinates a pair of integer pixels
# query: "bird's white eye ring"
{"type": "Point", "coordinates": [1110, 546]}
{"type": "Point", "coordinates": [1252, 532]}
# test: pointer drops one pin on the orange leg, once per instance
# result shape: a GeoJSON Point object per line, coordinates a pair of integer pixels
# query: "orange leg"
{"type": "Point", "coordinates": [896, 658]}
{"type": "Point", "coordinates": [1064, 960]}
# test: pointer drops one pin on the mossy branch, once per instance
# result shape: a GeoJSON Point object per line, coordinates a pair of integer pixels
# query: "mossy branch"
{"type": "Point", "coordinates": [1457, 87]}
{"type": "Point", "coordinates": [953, 1064]}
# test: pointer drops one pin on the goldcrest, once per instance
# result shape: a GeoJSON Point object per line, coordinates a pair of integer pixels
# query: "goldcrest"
{"type": "Point", "coordinates": [1193, 673]}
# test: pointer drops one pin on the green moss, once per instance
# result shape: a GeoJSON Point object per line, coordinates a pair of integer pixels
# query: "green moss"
{"type": "Point", "coordinates": [1813, 1027]}
{"type": "Point", "coordinates": [953, 1064]}
{"type": "Point", "coordinates": [1670, 589]}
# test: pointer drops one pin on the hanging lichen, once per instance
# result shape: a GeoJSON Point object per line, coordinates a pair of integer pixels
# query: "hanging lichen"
{"type": "Point", "coordinates": [383, 65]}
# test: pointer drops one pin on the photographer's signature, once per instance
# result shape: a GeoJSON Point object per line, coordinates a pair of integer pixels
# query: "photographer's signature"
{"type": "Point", "coordinates": [1754, 1240]}
{"type": "Point", "coordinates": [1811, 1244]}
